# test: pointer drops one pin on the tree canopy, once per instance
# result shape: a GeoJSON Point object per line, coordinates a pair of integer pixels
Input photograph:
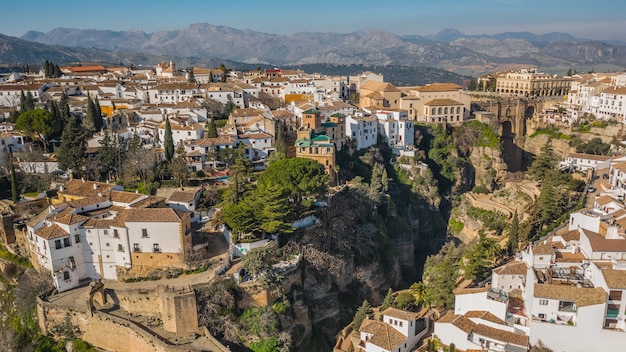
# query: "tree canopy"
{"type": "Point", "coordinates": [168, 141]}
{"type": "Point", "coordinates": [72, 150]}
{"type": "Point", "coordinates": [298, 177]}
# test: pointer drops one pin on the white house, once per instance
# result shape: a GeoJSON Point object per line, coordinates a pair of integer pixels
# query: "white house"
{"type": "Point", "coordinates": [398, 331]}
{"type": "Point", "coordinates": [363, 131]}
{"type": "Point", "coordinates": [584, 162]}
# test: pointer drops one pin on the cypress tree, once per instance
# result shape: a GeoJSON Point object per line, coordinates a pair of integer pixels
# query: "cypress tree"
{"type": "Point", "coordinates": [388, 301]}
{"type": "Point", "coordinates": [97, 113]}
{"type": "Point", "coordinates": [15, 193]}
{"type": "Point", "coordinates": [211, 128]}
{"type": "Point", "coordinates": [364, 311]}
{"type": "Point", "coordinates": [168, 142]}
{"type": "Point", "coordinates": [90, 124]}
{"type": "Point", "coordinates": [513, 240]}
{"type": "Point", "coordinates": [191, 78]}
{"type": "Point", "coordinates": [46, 69]}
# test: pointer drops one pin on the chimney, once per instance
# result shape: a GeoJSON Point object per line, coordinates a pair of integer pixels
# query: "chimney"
{"type": "Point", "coordinates": [95, 185]}
{"type": "Point", "coordinates": [62, 188]}
{"type": "Point", "coordinates": [82, 179]}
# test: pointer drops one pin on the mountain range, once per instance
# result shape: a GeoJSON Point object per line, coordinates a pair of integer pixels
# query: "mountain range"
{"type": "Point", "coordinates": [448, 49]}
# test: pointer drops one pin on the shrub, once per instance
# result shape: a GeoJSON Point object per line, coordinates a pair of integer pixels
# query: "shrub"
{"type": "Point", "coordinates": [480, 189]}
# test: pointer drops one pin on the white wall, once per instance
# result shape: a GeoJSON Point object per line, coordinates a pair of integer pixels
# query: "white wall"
{"type": "Point", "coordinates": [478, 301]}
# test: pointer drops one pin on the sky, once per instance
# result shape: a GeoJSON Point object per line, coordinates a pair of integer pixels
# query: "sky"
{"type": "Point", "coordinates": [599, 19]}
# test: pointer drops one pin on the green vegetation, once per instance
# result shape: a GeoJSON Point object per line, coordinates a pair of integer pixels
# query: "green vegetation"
{"type": "Point", "coordinates": [404, 300]}
{"type": "Point", "coordinates": [388, 301]}
{"type": "Point", "coordinates": [480, 258]}
{"type": "Point", "coordinates": [492, 220]}
{"type": "Point", "coordinates": [455, 226]}
{"type": "Point", "coordinates": [550, 132]}
{"type": "Point", "coordinates": [21, 261]}
{"type": "Point", "coordinates": [484, 133]}
{"type": "Point", "coordinates": [560, 194]}
{"type": "Point", "coordinates": [168, 142]}
{"type": "Point", "coordinates": [441, 272]}
{"type": "Point", "coordinates": [364, 311]}
{"type": "Point", "coordinates": [595, 146]}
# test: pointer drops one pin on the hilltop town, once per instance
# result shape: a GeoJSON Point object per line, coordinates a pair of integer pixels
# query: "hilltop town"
{"type": "Point", "coordinates": [211, 209]}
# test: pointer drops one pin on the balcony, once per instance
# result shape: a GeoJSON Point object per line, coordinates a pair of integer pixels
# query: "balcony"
{"type": "Point", "coordinates": [612, 313]}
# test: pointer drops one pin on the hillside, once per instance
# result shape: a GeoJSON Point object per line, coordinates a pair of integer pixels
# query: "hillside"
{"type": "Point", "coordinates": [449, 49]}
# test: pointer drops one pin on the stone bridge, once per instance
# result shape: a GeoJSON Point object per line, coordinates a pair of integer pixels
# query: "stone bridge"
{"type": "Point", "coordinates": [508, 116]}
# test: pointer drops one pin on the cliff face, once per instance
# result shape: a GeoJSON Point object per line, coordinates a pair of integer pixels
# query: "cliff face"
{"type": "Point", "coordinates": [489, 166]}
{"type": "Point", "coordinates": [357, 253]}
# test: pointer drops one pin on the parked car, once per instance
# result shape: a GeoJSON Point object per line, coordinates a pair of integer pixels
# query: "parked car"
{"type": "Point", "coordinates": [591, 189]}
{"type": "Point", "coordinates": [205, 219]}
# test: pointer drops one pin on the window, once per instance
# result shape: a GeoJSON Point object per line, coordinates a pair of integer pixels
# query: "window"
{"type": "Point", "coordinates": [77, 238]}
{"type": "Point", "coordinates": [543, 302]}
{"type": "Point", "coordinates": [144, 232]}
{"type": "Point", "coordinates": [108, 244]}
{"type": "Point", "coordinates": [67, 242]}
{"type": "Point", "coordinates": [136, 247]}
{"type": "Point", "coordinates": [66, 275]}
{"type": "Point", "coordinates": [116, 234]}
{"type": "Point", "coordinates": [615, 295]}
{"type": "Point", "coordinates": [106, 232]}
{"type": "Point", "coordinates": [120, 248]}
{"type": "Point", "coordinates": [57, 244]}
{"type": "Point", "coordinates": [155, 247]}
{"type": "Point", "coordinates": [542, 316]}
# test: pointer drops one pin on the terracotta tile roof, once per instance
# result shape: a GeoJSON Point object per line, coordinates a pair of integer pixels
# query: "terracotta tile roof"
{"type": "Point", "coordinates": [125, 197]}
{"type": "Point", "coordinates": [86, 189]}
{"type": "Point", "coordinates": [501, 335]}
{"type": "Point", "coordinates": [283, 113]}
{"type": "Point", "coordinates": [383, 335]}
{"type": "Point", "coordinates": [463, 323]}
{"type": "Point", "coordinates": [255, 136]}
{"type": "Point", "coordinates": [85, 68]}
{"type": "Point", "coordinates": [379, 86]}
{"type": "Point", "coordinates": [400, 314]}
{"type": "Point", "coordinates": [604, 200]}
{"type": "Point", "coordinates": [582, 296]}
{"type": "Point", "coordinates": [51, 232]}
{"type": "Point", "coordinates": [147, 202]}
{"type": "Point", "coordinates": [246, 112]}
{"type": "Point", "coordinates": [589, 156]}
{"type": "Point", "coordinates": [615, 278]}
{"type": "Point", "coordinates": [86, 201]}
{"type": "Point", "coordinates": [442, 102]}
{"type": "Point", "coordinates": [484, 315]}
{"type": "Point", "coordinates": [573, 235]}
{"type": "Point", "coordinates": [182, 197]}
{"type": "Point", "coordinates": [155, 215]}
{"type": "Point", "coordinates": [467, 291]}
{"type": "Point", "coordinates": [175, 86]}
{"type": "Point", "coordinates": [67, 217]}
{"type": "Point", "coordinates": [439, 87]}
{"type": "Point", "coordinates": [620, 166]}
{"type": "Point", "coordinates": [600, 244]}
{"type": "Point", "coordinates": [544, 249]}
{"type": "Point", "coordinates": [565, 257]}
{"type": "Point", "coordinates": [615, 90]}
{"type": "Point", "coordinates": [512, 268]}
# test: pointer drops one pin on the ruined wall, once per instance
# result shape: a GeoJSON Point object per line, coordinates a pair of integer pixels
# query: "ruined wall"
{"type": "Point", "coordinates": [179, 311]}
{"type": "Point", "coordinates": [254, 295]}
{"type": "Point", "coordinates": [138, 301]}
{"type": "Point", "coordinates": [102, 330]}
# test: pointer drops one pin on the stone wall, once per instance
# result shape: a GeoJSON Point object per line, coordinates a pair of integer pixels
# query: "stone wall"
{"type": "Point", "coordinates": [103, 330]}
{"type": "Point", "coordinates": [137, 301]}
{"type": "Point", "coordinates": [179, 311]}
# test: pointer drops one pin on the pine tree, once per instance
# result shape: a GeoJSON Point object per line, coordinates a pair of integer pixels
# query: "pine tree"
{"type": "Point", "coordinates": [210, 76]}
{"type": "Point", "coordinates": [225, 70]}
{"type": "Point", "coordinates": [109, 155]}
{"type": "Point", "coordinates": [57, 71]}
{"type": "Point", "coordinates": [168, 141]}
{"type": "Point", "coordinates": [191, 78]}
{"type": "Point", "coordinates": [64, 108]}
{"type": "Point", "coordinates": [72, 150]}
{"type": "Point", "coordinates": [364, 311]}
{"type": "Point", "coordinates": [388, 301]}
{"type": "Point", "coordinates": [15, 193]}
{"type": "Point", "coordinates": [211, 128]}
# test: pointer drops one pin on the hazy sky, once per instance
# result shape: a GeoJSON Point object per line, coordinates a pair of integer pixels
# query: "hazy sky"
{"type": "Point", "coordinates": [598, 19]}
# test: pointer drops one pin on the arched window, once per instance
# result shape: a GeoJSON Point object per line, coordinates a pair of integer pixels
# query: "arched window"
{"type": "Point", "coordinates": [433, 113]}
{"type": "Point", "coordinates": [439, 111]}
{"type": "Point", "coordinates": [458, 109]}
